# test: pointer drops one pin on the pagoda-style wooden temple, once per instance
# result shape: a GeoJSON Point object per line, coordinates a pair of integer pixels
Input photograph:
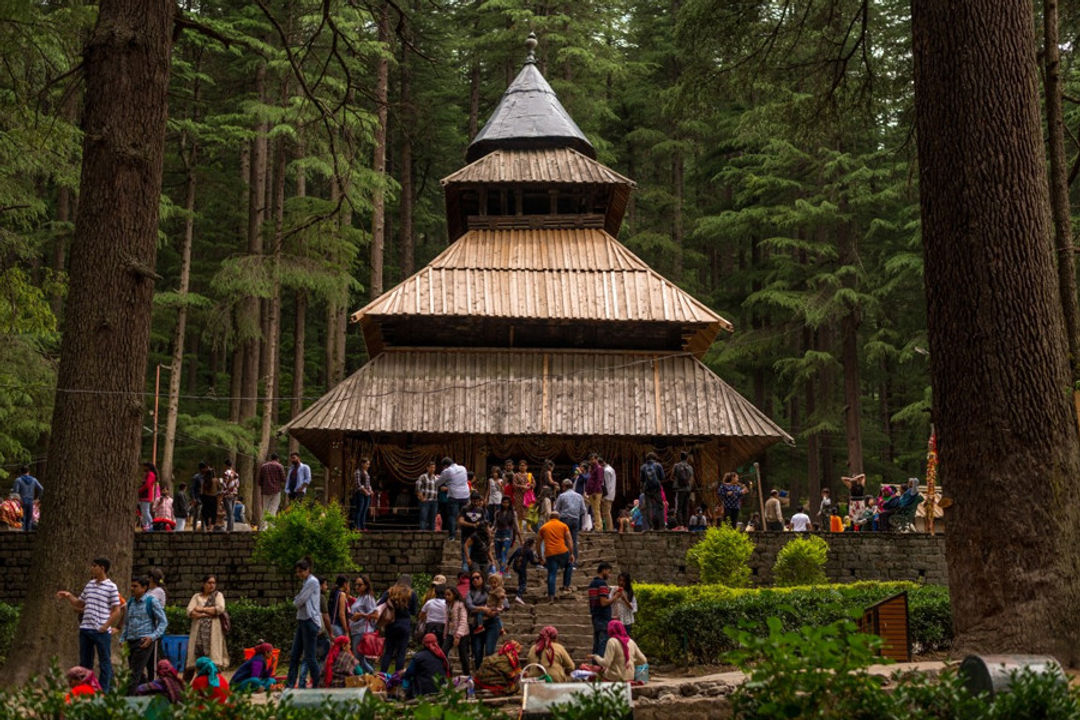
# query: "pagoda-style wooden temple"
{"type": "Point", "coordinates": [535, 334]}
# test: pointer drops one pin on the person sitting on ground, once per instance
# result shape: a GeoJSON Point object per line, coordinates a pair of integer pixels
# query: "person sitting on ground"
{"type": "Point", "coordinates": [625, 524]}
{"type": "Point", "coordinates": [755, 523]}
{"type": "Point", "coordinates": [82, 683]}
{"type": "Point", "coordinates": [429, 669]}
{"type": "Point", "coordinates": [167, 683]}
{"type": "Point", "coordinates": [340, 663]}
{"type": "Point", "coordinates": [255, 673]}
{"type": "Point", "coordinates": [621, 655]}
{"type": "Point", "coordinates": [500, 673]}
{"type": "Point", "coordinates": [698, 521]}
{"type": "Point", "coordinates": [209, 682]}
{"type": "Point", "coordinates": [637, 517]}
{"type": "Point", "coordinates": [836, 523]}
{"type": "Point", "coordinates": [551, 655]}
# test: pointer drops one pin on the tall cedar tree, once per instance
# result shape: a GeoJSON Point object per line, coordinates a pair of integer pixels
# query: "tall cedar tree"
{"type": "Point", "coordinates": [997, 341]}
{"type": "Point", "coordinates": [92, 470]}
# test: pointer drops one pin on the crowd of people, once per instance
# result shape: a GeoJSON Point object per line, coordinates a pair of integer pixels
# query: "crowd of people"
{"type": "Point", "coordinates": [342, 633]}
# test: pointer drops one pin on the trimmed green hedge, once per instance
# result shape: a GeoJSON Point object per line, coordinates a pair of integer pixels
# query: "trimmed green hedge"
{"type": "Point", "coordinates": [250, 623]}
{"type": "Point", "coordinates": [687, 624]}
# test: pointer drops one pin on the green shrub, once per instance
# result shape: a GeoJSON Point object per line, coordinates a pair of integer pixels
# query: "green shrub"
{"type": "Point", "coordinates": [599, 704]}
{"type": "Point", "coordinates": [308, 529]}
{"type": "Point", "coordinates": [820, 672]}
{"type": "Point", "coordinates": [688, 624]}
{"type": "Point", "coordinates": [801, 562]}
{"type": "Point", "coordinates": [45, 699]}
{"type": "Point", "coordinates": [722, 556]}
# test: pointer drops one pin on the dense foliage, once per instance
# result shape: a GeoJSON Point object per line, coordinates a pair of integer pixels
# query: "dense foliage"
{"type": "Point", "coordinates": [820, 672]}
{"type": "Point", "coordinates": [775, 182]}
{"type": "Point", "coordinates": [722, 556]}
{"type": "Point", "coordinates": [307, 530]}
{"type": "Point", "coordinates": [801, 562]}
{"type": "Point", "coordinates": [690, 624]}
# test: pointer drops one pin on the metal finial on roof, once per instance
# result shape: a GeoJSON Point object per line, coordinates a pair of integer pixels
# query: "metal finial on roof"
{"type": "Point", "coordinates": [530, 46]}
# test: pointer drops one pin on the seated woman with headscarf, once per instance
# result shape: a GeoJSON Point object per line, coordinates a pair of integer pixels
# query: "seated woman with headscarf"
{"type": "Point", "coordinates": [551, 655]}
{"type": "Point", "coordinates": [340, 663]}
{"type": "Point", "coordinates": [255, 673]}
{"type": "Point", "coordinates": [209, 682]}
{"type": "Point", "coordinates": [167, 682]}
{"type": "Point", "coordinates": [621, 655]}
{"type": "Point", "coordinates": [428, 670]}
{"type": "Point", "coordinates": [83, 683]}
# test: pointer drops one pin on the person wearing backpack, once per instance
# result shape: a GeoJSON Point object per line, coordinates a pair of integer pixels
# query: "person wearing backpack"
{"type": "Point", "coordinates": [144, 624]}
{"type": "Point", "coordinates": [684, 485]}
{"type": "Point", "coordinates": [652, 483]}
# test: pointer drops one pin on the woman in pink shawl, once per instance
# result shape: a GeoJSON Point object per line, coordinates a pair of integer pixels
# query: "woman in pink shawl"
{"type": "Point", "coordinates": [621, 655]}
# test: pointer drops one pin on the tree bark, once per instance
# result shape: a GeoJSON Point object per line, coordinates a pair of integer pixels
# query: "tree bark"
{"type": "Point", "coordinates": [1059, 187]}
{"type": "Point", "coordinates": [408, 115]}
{"type": "Point", "coordinates": [87, 511]}
{"type": "Point", "coordinates": [249, 330]}
{"type": "Point", "coordinates": [274, 305]}
{"type": "Point", "coordinates": [998, 351]}
{"type": "Point", "coordinates": [299, 327]}
{"type": "Point", "coordinates": [180, 331]}
{"type": "Point", "coordinates": [378, 200]}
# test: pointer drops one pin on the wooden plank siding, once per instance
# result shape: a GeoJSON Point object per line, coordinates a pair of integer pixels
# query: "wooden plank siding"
{"type": "Point", "coordinates": [527, 392]}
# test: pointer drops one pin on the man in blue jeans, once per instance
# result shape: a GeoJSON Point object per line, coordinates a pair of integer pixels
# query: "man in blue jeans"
{"type": "Point", "coordinates": [99, 604]}
{"type": "Point", "coordinates": [456, 479]}
{"type": "Point", "coordinates": [26, 487]}
{"type": "Point", "coordinates": [427, 493]}
{"type": "Point", "coordinates": [557, 552]}
{"type": "Point", "coordinates": [308, 623]}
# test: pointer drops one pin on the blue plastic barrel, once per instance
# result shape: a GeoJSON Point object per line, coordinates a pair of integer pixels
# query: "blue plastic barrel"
{"type": "Point", "coordinates": [174, 647]}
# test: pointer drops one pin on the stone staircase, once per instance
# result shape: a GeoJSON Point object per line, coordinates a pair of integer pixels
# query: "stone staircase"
{"type": "Point", "coordinates": [569, 614]}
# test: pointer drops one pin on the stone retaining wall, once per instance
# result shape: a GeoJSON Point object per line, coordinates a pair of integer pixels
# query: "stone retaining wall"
{"type": "Point", "coordinates": [649, 557]}
{"type": "Point", "coordinates": [660, 557]}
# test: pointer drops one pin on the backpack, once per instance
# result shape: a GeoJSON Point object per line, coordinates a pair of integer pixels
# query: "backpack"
{"type": "Point", "coordinates": [651, 483]}
{"type": "Point", "coordinates": [682, 476]}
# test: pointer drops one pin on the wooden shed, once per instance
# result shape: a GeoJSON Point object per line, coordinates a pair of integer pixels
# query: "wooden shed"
{"type": "Point", "coordinates": [535, 334]}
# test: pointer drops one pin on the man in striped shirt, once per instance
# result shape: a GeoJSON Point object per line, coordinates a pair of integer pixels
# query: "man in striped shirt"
{"type": "Point", "coordinates": [99, 604]}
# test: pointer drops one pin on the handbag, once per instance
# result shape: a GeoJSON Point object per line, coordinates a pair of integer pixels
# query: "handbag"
{"type": "Point", "coordinates": [386, 616]}
{"type": "Point", "coordinates": [586, 523]}
{"type": "Point", "coordinates": [226, 621]}
{"type": "Point", "coordinates": [371, 645]}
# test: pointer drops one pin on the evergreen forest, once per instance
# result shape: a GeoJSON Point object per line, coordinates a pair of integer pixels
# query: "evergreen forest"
{"type": "Point", "coordinates": [772, 142]}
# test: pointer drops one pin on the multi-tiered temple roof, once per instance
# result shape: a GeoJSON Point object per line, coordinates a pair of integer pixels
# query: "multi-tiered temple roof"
{"type": "Point", "coordinates": [536, 322]}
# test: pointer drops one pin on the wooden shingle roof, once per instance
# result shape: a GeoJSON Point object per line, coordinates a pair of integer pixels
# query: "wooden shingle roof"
{"type": "Point", "coordinates": [543, 275]}
{"type": "Point", "coordinates": [523, 392]}
{"type": "Point", "coordinates": [539, 165]}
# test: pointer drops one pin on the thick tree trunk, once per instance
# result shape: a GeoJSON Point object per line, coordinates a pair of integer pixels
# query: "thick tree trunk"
{"type": "Point", "coordinates": [250, 329]}
{"type": "Point", "coordinates": [1059, 187]}
{"type": "Point", "coordinates": [378, 201]}
{"type": "Point", "coordinates": [274, 306]}
{"type": "Point", "coordinates": [180, 332]}
{"type": "Point", "coordinates": [236, 369]}
{"type": "Point", "coordinates": [998, 351]}
{"type": "Point", "coordinates": [813, 441]}
{"type": "Point", "coordinates": [87, 510]}
{"type": "Point", "coordinates": [408, 115]}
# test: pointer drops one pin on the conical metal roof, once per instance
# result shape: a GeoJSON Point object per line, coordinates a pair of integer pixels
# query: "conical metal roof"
{"type": "Point", "coordinates": [529, 116]}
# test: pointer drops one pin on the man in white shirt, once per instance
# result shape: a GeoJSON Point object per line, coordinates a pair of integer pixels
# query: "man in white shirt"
{"type": "Point", "coordinates": [99, 604]}
{"type": "Point", "coordinates": [609, 494]}
{"type": "Point", "coordinates": [800, 521]}
{"type": "Point", "coordinates": [456, 479]}
{"type": "Point", "coordinates": [308, 623]}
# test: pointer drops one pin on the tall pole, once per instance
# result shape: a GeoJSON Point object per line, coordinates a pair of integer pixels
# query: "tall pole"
{"type": "Point", "coordinates": [760, 492]}
{"type": "Point", "coordinates": [157, 398]}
